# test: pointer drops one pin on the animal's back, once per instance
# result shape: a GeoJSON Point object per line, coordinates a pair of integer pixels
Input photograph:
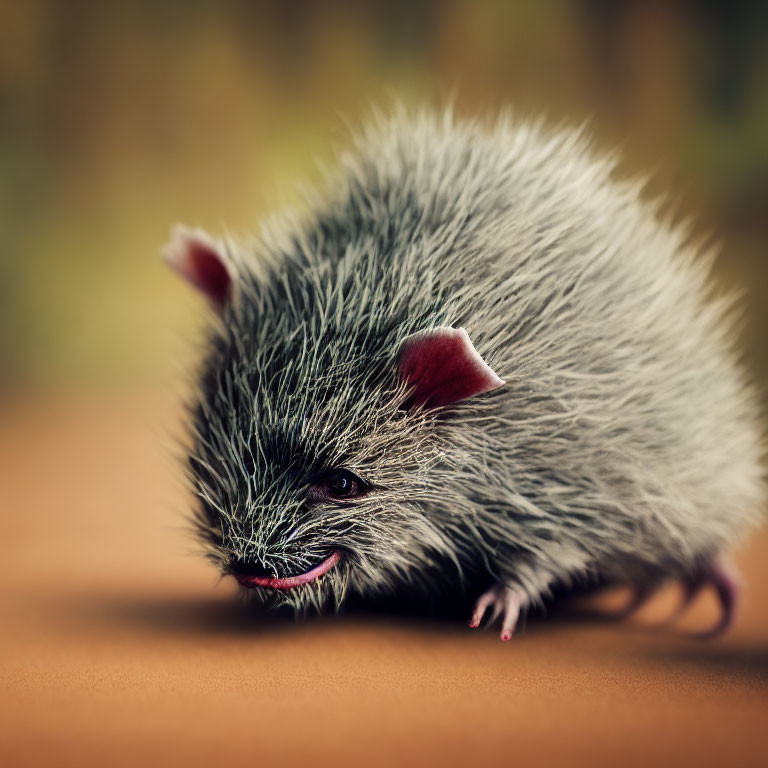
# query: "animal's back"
{"type": "Point", "coordinates": [626, 438]}
{"type": "Point", "coordinates": [597, 425]}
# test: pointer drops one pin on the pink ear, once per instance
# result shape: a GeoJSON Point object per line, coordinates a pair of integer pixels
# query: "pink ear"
{"type": "Point", "coordinates": [197, 258]}
{"type": "Point", "coordinates": [444, 367]}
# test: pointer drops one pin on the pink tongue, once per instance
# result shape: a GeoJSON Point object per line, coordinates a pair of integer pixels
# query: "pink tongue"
{"type": "Point", "coordinates": [292, 581]}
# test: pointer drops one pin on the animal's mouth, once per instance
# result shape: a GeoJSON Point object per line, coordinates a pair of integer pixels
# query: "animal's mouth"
{"type": "Point", "coordinates": [290, 582]}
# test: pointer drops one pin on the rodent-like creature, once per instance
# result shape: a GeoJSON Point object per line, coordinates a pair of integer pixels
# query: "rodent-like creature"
{"type": "Point", "coordinates": [475, 352]}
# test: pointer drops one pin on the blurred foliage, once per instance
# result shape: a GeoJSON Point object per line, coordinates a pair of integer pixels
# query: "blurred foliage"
{"type": "Point", "coordinates": [120, 118]}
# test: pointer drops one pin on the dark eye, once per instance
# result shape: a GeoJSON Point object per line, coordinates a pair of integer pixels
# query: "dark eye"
{"type": "Point", "coordinates": [341, 484]}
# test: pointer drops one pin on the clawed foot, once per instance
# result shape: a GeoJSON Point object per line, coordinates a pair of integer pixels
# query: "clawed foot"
{"type": "Point", "coordinates": [505, 602]}
{"type": "Point", "coordinates": [726, 582]}
{"type": "Point", "coordinates": [723, 578]}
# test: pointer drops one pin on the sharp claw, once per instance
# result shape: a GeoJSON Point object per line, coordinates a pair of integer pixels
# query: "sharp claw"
{"type": "Point", "coordinates": [641, 594]}
{"type": "Point", "coordinates": [722, 577]}
{"type": "Point", "coordinates": [640, 597]}
{"type": "Point", "coordinates": [691, 590]}
{"type": "Point", "coordinates": [726, 582]}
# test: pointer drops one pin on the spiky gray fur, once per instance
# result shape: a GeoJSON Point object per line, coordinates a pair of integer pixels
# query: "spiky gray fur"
{"type": "Point", "coordinates": [624, 445]}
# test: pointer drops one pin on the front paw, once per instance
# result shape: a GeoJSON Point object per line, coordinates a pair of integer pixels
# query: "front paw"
{"type": "Point", "coordinates": [506, 602]}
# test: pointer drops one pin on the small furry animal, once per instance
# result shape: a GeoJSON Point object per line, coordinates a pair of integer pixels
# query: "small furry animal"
{"type": "Point", "coordinates": [476, 353]}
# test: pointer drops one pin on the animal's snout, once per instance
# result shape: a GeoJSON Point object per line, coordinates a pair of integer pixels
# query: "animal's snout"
{"type": "Point", "coordinates": [250, 569]}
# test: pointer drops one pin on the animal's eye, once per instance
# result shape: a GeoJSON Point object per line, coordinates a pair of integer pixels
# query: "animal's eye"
{"type": "Point", "coordinates": [342, 484]}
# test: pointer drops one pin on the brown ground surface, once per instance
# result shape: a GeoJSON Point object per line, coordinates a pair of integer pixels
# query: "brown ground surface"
{"type": "Point", "coordinates": [118, 647]}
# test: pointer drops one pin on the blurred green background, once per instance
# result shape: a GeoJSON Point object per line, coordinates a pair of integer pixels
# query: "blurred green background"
{"type": "Point", "coordinates": [120, 118]}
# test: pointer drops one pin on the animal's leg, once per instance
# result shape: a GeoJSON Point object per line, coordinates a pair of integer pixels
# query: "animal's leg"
{"type": "Point", "coordinates": [641, 594]}
{"type": "Point", "coordinates": [725, 580]}
{"type": "Point", "coordinates": [505, 601]}
{"type": "Point", "coordinates": [691, 589]}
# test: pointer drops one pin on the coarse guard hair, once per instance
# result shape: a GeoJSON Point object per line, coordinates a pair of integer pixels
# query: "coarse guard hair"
{"type": "Point", "coordinates": [517, 367]}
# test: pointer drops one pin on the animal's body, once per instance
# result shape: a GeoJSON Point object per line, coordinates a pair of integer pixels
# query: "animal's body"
{"type": "Point", "coordinates": [588, 421]}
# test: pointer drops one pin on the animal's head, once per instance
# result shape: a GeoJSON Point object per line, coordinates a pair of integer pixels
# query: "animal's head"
{"type": "Point", "coordinates": [314, 451]}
